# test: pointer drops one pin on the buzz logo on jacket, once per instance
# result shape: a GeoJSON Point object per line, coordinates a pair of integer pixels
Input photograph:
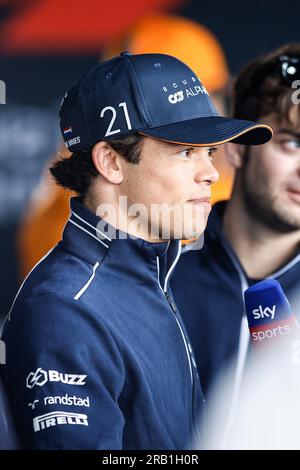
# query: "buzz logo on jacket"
{"type": "Point", "coordinates": [40, 377]}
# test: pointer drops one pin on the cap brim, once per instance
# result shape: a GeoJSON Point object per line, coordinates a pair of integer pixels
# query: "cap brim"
{"type": "Point", "coordinates": [214, 130]}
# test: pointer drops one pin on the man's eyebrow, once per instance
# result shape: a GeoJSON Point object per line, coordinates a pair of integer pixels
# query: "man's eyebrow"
{"type": "Point", "coordinates": [289, 131]}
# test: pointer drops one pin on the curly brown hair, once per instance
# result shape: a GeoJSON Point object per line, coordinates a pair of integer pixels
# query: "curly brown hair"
{"type": "Point", "coordinates": [261, 90]}
{"type": "Point", "coordinates": [77, 171]}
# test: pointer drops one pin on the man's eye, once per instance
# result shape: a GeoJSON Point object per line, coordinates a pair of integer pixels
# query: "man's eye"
{"type": "Point", "coordinates": [211, 152]}
{"type": "Point", "coordinates": [290, 144]}
{"type": "Point", "coordinates": [186, 153]}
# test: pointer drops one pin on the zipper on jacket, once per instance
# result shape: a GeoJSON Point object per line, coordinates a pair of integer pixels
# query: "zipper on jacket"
{"type": "Point", "coordinates": [174, 310]}
{"type": "Point", "coordinates": [187, 345]}
{"type": "Point", "coordinates": [171, 302]}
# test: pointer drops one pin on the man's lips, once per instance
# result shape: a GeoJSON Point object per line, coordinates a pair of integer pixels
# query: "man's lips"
{"type": "Point", "coordinates": [200, 200]}
{"type": "Point", "coordinates": [294, 194]}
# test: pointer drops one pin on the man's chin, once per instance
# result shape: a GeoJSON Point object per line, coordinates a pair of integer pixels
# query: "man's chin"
{"type": "Point", "coordinates": [284, 219]}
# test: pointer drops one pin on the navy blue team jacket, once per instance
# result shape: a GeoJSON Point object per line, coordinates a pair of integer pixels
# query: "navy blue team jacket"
{"type": "Point", "coordinates": [97, 354]}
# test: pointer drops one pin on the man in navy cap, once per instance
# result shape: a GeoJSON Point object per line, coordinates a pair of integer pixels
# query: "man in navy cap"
{"type": "Point", "coordinates": [97, 354]}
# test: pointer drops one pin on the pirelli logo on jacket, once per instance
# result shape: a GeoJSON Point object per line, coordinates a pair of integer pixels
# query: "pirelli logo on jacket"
{"type": "Point", "coordinates": [57, 418]}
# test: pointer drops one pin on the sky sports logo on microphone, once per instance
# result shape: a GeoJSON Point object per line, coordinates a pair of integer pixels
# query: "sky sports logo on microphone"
{"type": "Point", "coordinates": [261, 312]}
{"type": "Point", "coordinates": [268, 312]}
{"type": "Point", "coordinates": [269, 330]}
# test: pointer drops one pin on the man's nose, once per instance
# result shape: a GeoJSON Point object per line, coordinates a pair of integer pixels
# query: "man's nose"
{"type": "Point", "coordinates": [206, 172]}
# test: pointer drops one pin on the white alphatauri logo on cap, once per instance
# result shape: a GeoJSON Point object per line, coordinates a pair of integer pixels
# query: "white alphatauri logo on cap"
{"type": "Point", "coordinates": [176, 97]}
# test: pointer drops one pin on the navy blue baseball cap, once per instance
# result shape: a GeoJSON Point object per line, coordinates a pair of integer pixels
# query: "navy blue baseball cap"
{"type": "Point", "coordinates": [155, 95]}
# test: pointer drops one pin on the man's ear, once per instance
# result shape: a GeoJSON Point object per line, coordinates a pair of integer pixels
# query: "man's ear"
{"type": "Point", "coordinates": [107, 162]}
{"type": "Point", "coordinates": [235, 154]}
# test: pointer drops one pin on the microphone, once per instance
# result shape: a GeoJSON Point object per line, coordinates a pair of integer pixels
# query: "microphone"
{"type": "Point", "coordinates": [269, 314]}
{"type": "Point", "coordinates": [264, 412]}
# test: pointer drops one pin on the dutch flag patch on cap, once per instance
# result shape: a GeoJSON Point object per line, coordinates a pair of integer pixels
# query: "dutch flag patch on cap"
{"type": "Point", "coordinates": [68, 130]}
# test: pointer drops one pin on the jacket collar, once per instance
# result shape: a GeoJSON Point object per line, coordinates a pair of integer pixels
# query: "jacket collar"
{"type": "Point", "coordinates": [214, 233]}
{"type": "Point", "coordinates": [87, 236]}
{"type": "Point", "coordinates": [215, 222]}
